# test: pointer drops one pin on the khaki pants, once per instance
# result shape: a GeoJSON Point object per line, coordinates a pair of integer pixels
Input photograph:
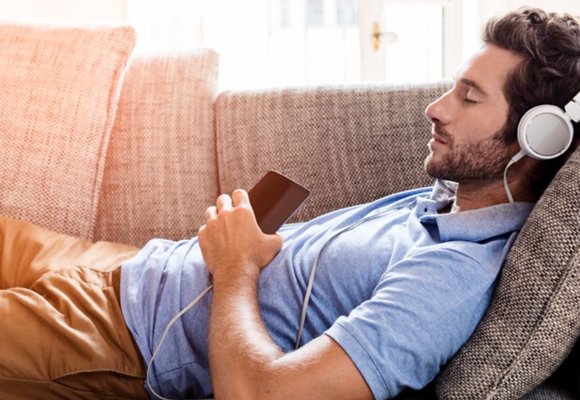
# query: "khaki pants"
{"type": "Point", "coordinates": [62, 333]}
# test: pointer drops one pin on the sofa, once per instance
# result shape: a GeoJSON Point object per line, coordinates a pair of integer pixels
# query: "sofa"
{"type": "Point", "coordinates": [102, 143]}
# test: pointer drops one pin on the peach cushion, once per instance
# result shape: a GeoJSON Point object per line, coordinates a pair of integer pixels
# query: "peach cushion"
{"type": "Point", "coordinates": [58, 97]}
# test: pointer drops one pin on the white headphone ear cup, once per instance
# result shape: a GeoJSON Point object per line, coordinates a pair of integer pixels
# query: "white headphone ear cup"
{"type": "Point", "coordinates": [545, 132]}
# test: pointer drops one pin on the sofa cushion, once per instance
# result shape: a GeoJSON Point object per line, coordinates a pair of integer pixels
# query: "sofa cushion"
{"type": "Point", "coordinates": [550, 392]}
{"type": "Point", "coordinates": [534, 319]}
{"type": "Point", "coordinates": [57, 104]}
{"type": "Point", "coordinates": [161, 169]}
{"type": "Point", "coordinates": [336, 141]}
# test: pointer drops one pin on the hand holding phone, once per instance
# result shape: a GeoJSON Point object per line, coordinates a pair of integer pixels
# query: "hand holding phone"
{"type": "Point", "coordinates": [274, 199]}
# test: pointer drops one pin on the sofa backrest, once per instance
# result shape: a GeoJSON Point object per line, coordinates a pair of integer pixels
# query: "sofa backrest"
{"type": "Point", "coordinates": [160, 172]}
{"type": "Point", "coordinates": [175, 147]}
{"type": "Point", "coordinates": [348, 145]}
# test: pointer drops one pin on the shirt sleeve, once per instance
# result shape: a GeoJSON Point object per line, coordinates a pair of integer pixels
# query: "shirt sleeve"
{"type": "Point", "coordinates": [422, 311]}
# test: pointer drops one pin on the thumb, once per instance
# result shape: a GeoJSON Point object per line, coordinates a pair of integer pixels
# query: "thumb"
{"type": "Point", "coordinates": [275, 241]}
{"type": "Point", "coordinates": [272, 245]}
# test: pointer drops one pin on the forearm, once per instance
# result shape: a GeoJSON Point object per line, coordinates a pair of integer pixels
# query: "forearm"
{"type": "Point", "coordinates": [245, 363]}
{"type": "Point", "coordinates": [242, 354]}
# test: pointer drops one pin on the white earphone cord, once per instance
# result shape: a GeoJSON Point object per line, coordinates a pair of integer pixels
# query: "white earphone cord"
{"type": "Point", "coordinates": [304, 303]}
{"type": "Point", "coordinates": [506, 186]}
{"type": "Point", "coordinates": [315, 266]}
{"type": "Point", "coordinates": [165, 332]}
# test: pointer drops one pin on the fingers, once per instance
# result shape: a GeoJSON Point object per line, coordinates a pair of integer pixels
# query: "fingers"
{"type": "Point", "coordinates": [223, 202]}
{"type": "Point", "coordinates": [200, 229]}
{"type": "Point", "coordinates": [210, 212]}
{"type": "Point", "coordinates": [240, 198]}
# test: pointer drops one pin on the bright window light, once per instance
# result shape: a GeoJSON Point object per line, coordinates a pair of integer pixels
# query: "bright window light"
{"type": "Point", "coordinates": [265, 43]}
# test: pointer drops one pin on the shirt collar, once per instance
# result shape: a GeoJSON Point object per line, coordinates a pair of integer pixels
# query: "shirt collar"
{"type": "Point", "coordinates": [473, 225]}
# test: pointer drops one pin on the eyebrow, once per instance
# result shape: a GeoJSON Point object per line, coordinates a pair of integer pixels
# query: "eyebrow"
{"type": "Point", "coordinates": [474, 85]}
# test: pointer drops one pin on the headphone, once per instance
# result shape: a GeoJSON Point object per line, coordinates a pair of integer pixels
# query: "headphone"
{"type": "Point", "coordinates": [544, 133]}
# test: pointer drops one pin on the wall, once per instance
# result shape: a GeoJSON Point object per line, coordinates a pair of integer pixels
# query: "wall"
{"type": "Point", "coordinates": [467, 17]}
{"type": "Point", "coordinates": [68, 11]}
{"type": "Point", "coordinates": [474, 13]}
{"type": "Point", "coordinates": [116, 10]}
{"type": "Point", "coordinates": [488, 8]}
{"type": "Point", "coordinates": [572, 7]}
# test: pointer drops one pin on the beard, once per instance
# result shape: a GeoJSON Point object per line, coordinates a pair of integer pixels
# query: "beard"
{"type": "Point", "coordinates": [483, 160]}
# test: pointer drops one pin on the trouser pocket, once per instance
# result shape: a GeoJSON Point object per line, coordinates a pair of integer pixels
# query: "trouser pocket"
{"type": "Point", "coordinates": [104, 384]}
{"type": "Point", "coordinates": [67, 332]}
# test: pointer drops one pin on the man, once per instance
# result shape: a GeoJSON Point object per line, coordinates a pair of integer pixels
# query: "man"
{"type": "Point", "coordinates": [400, 283]}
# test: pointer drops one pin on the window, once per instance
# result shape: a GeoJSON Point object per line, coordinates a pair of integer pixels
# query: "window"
{"type": "Point", "coordinates": [297, 42]}
{"type": "Point", "coordinates": [313, 41]}
{"type": "Point", "coordinates": [415, 52]}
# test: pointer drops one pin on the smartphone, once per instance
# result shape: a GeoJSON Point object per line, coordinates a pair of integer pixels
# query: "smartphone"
{"type": "Point", "coordinates": [274, 199]}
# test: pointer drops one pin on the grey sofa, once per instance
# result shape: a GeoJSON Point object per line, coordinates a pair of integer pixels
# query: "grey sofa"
{"type": "Point", "coordinates": [348, 144]}
{"type": "Point", "coordinates": [163, 144]}
{"type": "Point", "coordinates": [352, 144]}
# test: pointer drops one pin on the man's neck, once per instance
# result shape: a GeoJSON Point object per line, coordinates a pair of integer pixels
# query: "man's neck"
{"type": "Point", "coordinates": [473, 195]}
{"type": "Point", "coordinates": [478, 194]}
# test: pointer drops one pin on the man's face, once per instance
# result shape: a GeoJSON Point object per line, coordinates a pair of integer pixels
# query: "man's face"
{"type": "Point", "coordinates": [467, 142]}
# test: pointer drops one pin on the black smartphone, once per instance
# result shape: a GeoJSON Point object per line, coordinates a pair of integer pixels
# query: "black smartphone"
{"type": "Point", "coordinates": [274, 199]}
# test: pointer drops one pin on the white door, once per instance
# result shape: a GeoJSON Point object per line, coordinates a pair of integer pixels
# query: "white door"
{"type": "Point", "coordinates": [409, 41]}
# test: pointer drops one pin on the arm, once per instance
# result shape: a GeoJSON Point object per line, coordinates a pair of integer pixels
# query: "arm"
{"type": "Point", "coordinates": [245, 361]}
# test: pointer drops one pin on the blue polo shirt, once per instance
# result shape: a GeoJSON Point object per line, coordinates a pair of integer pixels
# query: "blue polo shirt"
{"type": "Point", "coordinates": [398, 286]}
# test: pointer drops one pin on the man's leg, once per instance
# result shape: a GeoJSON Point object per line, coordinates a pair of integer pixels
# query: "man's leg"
{"type": "Point", "coordinates": [27, 251]}
{"type": "Point", "coordinates": [63, 335]}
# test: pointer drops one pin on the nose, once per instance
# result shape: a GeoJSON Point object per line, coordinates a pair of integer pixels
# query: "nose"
{"type": "Point", "coordinates": [439, 111]}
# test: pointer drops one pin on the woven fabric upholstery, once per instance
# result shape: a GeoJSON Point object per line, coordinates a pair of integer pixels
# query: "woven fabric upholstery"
{"type": "Point", "coordinates": [534, 318]}
{"type": "Point", "coordinates": [550, 392]}
{"type": "Point", "coordinates": [58, 97]}
{"type": "Point", "coordinates": [343, 143]}
{"type": "Point", "coordinates": [161, 170]}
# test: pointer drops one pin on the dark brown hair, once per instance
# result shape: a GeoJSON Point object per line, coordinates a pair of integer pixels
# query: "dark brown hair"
{"type": "Point", "coordinates": [549, 73]}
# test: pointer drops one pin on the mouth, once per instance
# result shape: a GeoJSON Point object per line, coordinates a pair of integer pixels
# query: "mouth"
{"type": "Point", "coordinates": [438, 137]}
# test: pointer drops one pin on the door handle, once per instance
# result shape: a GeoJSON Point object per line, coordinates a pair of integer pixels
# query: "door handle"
{"type": "Point", "coordinates": [377, 35]}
